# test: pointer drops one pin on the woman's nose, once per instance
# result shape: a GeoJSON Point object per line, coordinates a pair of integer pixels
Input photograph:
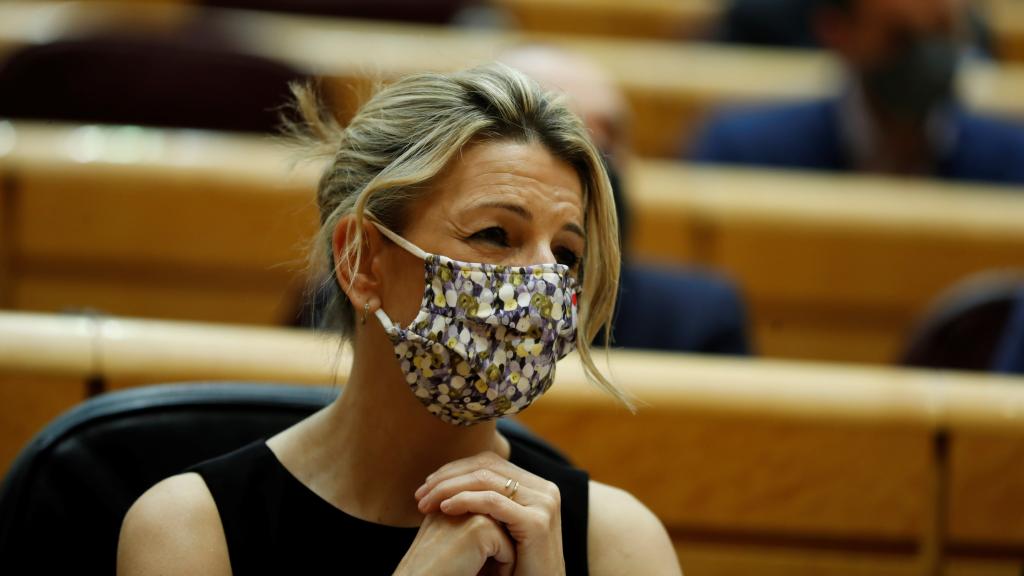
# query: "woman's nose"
{"type": "Point", "coordinates": [537, 253]}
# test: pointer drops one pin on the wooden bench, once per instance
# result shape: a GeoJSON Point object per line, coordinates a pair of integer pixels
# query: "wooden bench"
{"type": "Point", "coordinates": [753, 465]}
{"type": "Point", "coordinates": [204, 226]}
{"type": "Point", "coordinates": [671, 86]}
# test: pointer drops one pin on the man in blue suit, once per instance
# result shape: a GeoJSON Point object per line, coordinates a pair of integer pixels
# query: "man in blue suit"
{"type": "Point", "coordinates": [898, 113]}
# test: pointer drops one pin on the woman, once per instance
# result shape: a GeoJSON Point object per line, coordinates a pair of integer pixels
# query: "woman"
{"type": "Point", "coordinates": [460, 215]}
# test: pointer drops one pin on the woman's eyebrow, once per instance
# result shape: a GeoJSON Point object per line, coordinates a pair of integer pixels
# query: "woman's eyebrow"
{"type": "Point", "coordinates": [575, 229]}
{"type": "Point", "coordinates": [525, 214]}
{"type": "Point", "coordinates": [516, 209]}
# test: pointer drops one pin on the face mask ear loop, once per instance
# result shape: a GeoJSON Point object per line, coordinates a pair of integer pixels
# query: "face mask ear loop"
{"type": "Point", "coordinates": [408, 246]}
{"type": "Point", "coordinates": [386, 322]}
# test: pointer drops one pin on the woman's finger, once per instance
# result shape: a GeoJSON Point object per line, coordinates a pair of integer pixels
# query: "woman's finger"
{"type": "Point", "coordinates": [487, 503]}
{"type": "Point", "coordinates": [483, 461]}
{"type": "Point", "coordinates": [475, 481]}
{"type": "Point", "coordinates": [525, 525]}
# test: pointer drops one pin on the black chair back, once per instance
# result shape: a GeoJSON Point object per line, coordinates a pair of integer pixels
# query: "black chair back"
{"type": "Point", "coordinates": [963, 330]}
{"type": "Point", "coordinates": [64, 497]}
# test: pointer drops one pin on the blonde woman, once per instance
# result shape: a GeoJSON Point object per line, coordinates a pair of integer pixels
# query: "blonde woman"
{"type": "Point", "coordinates": [468, 224]}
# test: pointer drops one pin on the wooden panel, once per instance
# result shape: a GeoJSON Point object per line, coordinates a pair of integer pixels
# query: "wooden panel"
{"type": "Point", "coordinates": [961, 567]}
{"type": "Point", "coordinates": [738, 468]}
{"type": "Point", "coordinates": [756, 476]}
{"type": "Point", "coordinates": [263, 300]}
{"type": "Point", "coordinates": [987, 490]}
{"type": "Point", "coordinates": [733, 560]}
{"type": "Point", "coordinates": [638, 19]}
{"type": "Point", "coordinates": [985, 513]}
{"type": "Point", "coordinates": [27, 403]}
{"type": "Point", "coordinates": [821, 333]}
{"type": "Point", "coordinates": [134, 222]}
{"type": "Point", "coordinates": [126, 194]}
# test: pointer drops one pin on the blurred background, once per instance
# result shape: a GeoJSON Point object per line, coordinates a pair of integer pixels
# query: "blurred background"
{"type": "Point", "coordinates": [833, 186]}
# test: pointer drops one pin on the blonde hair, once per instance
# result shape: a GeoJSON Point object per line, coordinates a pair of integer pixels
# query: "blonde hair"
{"type": "Point", "coordinates": [409, 132]}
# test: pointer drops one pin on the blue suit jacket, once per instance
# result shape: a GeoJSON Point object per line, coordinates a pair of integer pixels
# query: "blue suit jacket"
{"type": "Point", "coordinates": [807, 135]}
{"type": "Point", "coordinates": [679, 311]}
{"type": "Point", "coordinates": [1010, 355]}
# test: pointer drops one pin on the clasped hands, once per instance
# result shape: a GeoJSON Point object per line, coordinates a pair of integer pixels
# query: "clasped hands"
{"type": "Point", "coordinates": [485, 515]}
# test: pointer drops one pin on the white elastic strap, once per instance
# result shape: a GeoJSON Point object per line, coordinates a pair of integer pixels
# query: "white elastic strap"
{"type": "Point", "coordinates": [409, 246]}
{"type": "Point", "coordinates": [389, 326]}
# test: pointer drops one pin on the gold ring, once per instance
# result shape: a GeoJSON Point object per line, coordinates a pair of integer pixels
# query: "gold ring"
{"type": "Point", "coordinates": [515, 488]}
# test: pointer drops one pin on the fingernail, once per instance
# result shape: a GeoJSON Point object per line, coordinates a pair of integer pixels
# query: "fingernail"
{"type": "Point", "coordinates": [421, 491]}
{"type": "Point", "coordinates": [445, 505]}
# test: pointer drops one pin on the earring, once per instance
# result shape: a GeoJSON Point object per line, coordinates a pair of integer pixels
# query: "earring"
{"type": "Point", "coordinates": [366, 312]}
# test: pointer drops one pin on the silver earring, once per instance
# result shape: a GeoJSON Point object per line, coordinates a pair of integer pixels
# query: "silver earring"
{"type": "Point", "coordinates": [366, 312]}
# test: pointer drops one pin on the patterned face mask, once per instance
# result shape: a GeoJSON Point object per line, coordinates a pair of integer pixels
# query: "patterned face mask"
{"type": "Point", "coordinates": [486, 338]}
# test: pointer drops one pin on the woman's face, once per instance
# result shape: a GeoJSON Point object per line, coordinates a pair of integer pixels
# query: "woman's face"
{"type": "Point", "coordinates": [500, 203]}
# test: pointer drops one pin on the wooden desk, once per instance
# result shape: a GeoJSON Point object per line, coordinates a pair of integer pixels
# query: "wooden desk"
{"type": "Point", "coordinates": [779, 467]}
{"type": "Point", "coordinates": [670, 85]}
{"type": "Point", "coordinates": [202, 226]}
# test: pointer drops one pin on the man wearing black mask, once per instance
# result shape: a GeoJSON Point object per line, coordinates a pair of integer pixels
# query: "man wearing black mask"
{"type": "Point", "coordinates": [898, 112]}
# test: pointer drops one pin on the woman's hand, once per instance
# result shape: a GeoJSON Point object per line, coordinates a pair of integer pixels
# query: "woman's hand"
{"type": "Point", "coordinates": [458, 546]}
{"type": "Point", "coordinates": [527, 505]}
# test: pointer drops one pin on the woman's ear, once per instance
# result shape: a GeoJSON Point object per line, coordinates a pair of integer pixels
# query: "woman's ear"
{"type": "Point", "coordinates": [355, 270]}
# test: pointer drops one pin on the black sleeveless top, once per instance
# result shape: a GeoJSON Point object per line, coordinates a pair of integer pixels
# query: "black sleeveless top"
{"type": "Point", "coordinates": [275, 524]}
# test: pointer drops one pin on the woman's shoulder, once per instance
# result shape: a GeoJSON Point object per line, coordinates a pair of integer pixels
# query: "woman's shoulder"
{"type": "Point", "coordinates": [625, 537]}
{"type": "Point", "coordinates": [173, 528]}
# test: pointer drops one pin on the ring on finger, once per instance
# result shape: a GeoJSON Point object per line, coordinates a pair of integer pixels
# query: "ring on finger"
{"type": "Point", "coordinates": [514, 485]}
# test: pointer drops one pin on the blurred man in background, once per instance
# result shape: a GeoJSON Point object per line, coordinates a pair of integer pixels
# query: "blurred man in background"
{"type": "Point", "coordinates": [682, 310]}
{"type": "Point", "coordinates": [898, 113]}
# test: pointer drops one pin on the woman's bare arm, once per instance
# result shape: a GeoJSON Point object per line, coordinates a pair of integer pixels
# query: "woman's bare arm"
{"type": "Point", "coordinates": [624, 537]}
{"type": "Point", "coordinates": [173, 528]}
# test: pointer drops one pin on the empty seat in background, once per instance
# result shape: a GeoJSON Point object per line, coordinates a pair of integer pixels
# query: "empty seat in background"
{"type": "Point", "coordinates": [167, 82]}
{"type": "Point", "coordinates": [965, 329]}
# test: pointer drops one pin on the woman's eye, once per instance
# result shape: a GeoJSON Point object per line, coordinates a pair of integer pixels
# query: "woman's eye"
{"type": "Point", "coordinates": [567, 257]}
{"type": "Point", "coordinates": [493, 235]}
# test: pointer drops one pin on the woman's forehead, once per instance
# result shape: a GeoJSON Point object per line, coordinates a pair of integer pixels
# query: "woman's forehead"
{"type": "Point", "coordinates": [506, 171]}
